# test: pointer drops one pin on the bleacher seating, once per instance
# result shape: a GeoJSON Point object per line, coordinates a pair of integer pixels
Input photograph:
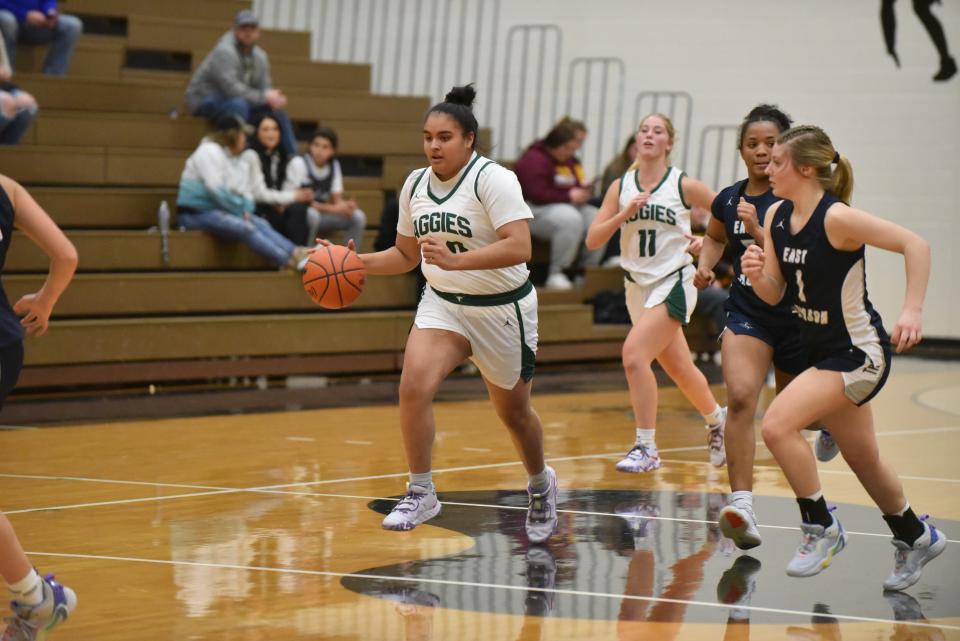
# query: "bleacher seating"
{"type": "Point", "coordinates": [108, 147]}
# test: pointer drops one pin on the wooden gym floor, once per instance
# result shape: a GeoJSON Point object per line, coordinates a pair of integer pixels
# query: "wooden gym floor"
{"type": "Point", "coordinates": [267, 526]}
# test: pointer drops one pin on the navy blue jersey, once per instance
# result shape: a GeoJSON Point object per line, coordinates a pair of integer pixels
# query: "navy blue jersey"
{"type": "Point", "coordinates": [827, 287]}
{"type": "Point", "coordinates": [10, 329]}
{"type": "Point", "coordinates": [742, 299]}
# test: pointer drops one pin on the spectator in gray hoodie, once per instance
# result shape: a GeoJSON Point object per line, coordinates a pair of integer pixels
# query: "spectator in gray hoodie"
{"type": "Point", "coordinates": [235, 78]}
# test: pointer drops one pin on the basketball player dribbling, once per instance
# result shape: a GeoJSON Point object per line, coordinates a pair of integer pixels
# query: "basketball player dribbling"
{"type": "Point", "coordinates": [465, 219]}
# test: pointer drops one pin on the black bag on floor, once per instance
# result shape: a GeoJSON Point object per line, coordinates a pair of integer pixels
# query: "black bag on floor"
{"type": "Point", "coordinates": [610, 307]}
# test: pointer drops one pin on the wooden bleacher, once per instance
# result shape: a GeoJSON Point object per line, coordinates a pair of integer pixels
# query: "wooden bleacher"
{"type": "Point", "coordinates": [109, 145]}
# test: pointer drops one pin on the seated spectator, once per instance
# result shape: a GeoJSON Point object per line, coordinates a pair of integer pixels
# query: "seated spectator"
{"type": "Point", "coordinates": [215, 196]}
{"type": "Point", "coordinates": [320, 171]}
{"type": "Point", "coordinates": [286, 211]}
{"type": "Point", "coordinates": [39, 22]}
{"type": "Point", "coordinates": [235, 78]}
{"type": "Point", "coordinates": [553, 183]}
{"type": "Point", "coordinates": [17, 107]}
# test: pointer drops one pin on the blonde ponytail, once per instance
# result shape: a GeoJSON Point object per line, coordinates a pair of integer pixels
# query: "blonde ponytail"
{"type": "Point", "coordinates": [810, 146]}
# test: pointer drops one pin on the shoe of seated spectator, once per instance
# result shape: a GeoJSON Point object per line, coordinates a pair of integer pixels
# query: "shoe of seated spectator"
{"type": "Point", "coordinates": [558, 281]}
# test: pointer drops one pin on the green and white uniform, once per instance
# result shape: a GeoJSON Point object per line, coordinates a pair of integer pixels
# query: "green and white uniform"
{"type": "Point", "coordinates": [653, 248]}
{"type": "Point", "coordinates": [494, 309]}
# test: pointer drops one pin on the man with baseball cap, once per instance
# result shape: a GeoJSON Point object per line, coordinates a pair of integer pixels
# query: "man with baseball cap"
{"type": "Point", "coordinates": [235, 78]}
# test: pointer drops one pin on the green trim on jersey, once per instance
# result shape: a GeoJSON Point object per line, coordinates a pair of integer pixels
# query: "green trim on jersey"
{"type": "Point", "coordinates": [636, 179]}
{"type": "Point", "coordinates": [417, 181]}
{"type": "Point", "coordinates": [477, 179]}
{"type": "Point", "coordinates": [623, 179]}
{"type": "Point", "coordinates": [528, 359]}
{"type": "Point", "coordinates": [466, 171]}
{"type": "Point", "coordinates": [680, 189]}
{"type": "Point", "coordinates": [676, 300]}
{"type": "Point", "coordinates": [486, 300]}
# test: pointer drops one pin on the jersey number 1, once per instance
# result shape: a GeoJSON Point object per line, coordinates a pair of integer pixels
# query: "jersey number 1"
{"type": "Point", "coordinates": [648, 242]}
{"type": "Point", "coordinates": [800, 293]}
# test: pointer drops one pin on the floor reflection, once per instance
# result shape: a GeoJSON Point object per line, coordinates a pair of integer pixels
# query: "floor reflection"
{"type": "Point", "coordinates": [655, 556]}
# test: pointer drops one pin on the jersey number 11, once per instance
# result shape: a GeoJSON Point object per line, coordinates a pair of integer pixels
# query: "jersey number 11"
{"type": "Point", "coordinates": [648, 242]}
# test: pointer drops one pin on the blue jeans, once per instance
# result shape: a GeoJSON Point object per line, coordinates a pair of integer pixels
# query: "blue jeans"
{"type": "Point", "coordinates": [256, 232]}
{"type": "Point", "coordinates": [215, 105]}
{"type": "Point", "coordinates": [322, 223]}
{"type": "Point", "coordinates": [62, 39]}
{"type": "Point", "coordinates": [13, 128]}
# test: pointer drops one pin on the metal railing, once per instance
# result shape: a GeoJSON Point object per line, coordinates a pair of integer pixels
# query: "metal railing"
{"type": "Point", "coordinates": [532, 41]}
{"type": "Point", "coordinates": [594, 110]}
{"type": "Point", "coordinates": [718, 147]}
{"type": "Point", "coordinates": [415, 47]}
{"type": "Point", "coordinates": [424, 47]}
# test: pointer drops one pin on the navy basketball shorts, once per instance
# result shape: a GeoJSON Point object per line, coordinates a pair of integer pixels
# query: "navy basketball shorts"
{"type": "Point", "coordinates": [11, 361]}
{"type": "Point", "coordinates": [864, 369]}
{"type": "Point", "coordinates": [789, 355]}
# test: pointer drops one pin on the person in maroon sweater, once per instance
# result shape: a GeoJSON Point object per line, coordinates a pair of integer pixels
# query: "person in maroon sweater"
{"type": "Point", "coordinates": [554, 186]}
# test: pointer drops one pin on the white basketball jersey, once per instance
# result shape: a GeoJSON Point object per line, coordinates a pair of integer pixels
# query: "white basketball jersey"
{"type": "Point", "coordinates": [465, 213]}
{"type": "Point", "coordinates": [652, 242]}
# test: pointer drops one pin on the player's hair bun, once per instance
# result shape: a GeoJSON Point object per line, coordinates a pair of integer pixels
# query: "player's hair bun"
{"type": "Point", "coordinates": [462, 95]}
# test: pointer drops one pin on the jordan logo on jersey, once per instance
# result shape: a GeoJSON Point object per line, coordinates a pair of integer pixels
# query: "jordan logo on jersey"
{"type": "Point", "coordinates": [442, 221]}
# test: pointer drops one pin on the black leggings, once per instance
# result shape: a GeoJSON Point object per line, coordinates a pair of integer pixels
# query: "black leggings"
{"type": "Point", "coordinates": [11, 362]}
{"type": "Point", "coordinates": [291, 222]}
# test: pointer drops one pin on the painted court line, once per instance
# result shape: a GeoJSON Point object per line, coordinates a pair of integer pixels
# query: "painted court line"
{"type": "Point", "coordinates": [217, 490]}
{"type": "Point", "coordinates": [490, 506]}
{"type": "Point", "coordinates": [931, 479]}
{"type": "Point", "coordinates": [494, 586]}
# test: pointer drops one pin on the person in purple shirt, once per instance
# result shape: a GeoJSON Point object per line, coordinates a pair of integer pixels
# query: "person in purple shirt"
{"type": "Point", "coordinates": [555, 187]}
{"type": "Point", "coordinates": [39, 22]}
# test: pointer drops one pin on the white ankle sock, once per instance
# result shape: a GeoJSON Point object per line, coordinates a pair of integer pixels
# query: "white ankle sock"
{"type": "Point", "coordinates": [424, 479]}
{"type": "Point", "coordinates": [713, 418]}
{"type": "Point", "coordinates": [742, 498]}
{"type": "Point", "coordinates": [28, 590]}
{"type": "Point", "coordinates": [646, 437]}
{"type": "Point", "coordinates": [539, 482]}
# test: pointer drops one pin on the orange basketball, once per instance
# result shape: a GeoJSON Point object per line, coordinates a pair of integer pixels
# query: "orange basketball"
{"type": "Point", "coordinates": [334, 276]}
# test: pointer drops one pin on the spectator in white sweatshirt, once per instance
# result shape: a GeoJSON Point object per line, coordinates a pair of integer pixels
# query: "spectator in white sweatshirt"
{"type": "Point", "coordinates": [215, 195]}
